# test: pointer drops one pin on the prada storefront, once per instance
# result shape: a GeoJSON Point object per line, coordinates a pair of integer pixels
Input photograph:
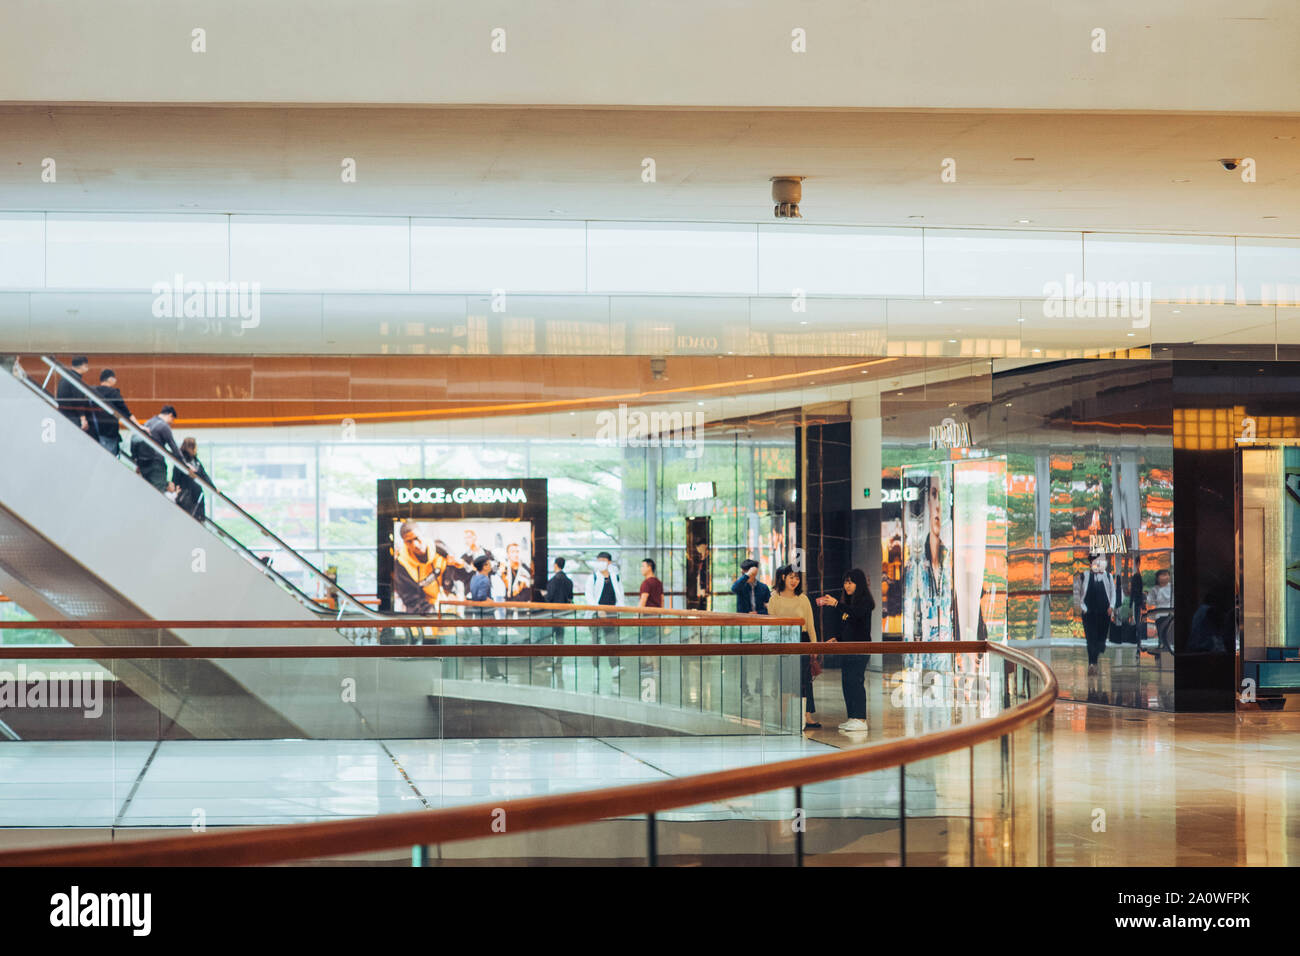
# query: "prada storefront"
{"type": "Point", "coordinates": [1012, 500]}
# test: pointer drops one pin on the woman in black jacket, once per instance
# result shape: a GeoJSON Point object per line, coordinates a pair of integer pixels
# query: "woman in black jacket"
{"type": "Point", "coordinates": [190, 492]}
{"type": "Point", "coordinates": [855, 625]}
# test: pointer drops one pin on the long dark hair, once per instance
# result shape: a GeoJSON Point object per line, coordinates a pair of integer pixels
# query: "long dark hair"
{"type": "Point", "coordinates": [781, 573]}
{"type": "Point", "coordinates": [859, 579]}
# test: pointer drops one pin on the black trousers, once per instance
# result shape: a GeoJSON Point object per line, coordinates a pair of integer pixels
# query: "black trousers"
{"type": "Point", "coordinates": [806, 678]}
{"type": "Point", "coordinates": [606, 635]}
{"type": "Point", "coordinates": [853, 673]}
{"type": "Point", "coordinates": [155, 472]}
{"type": "Point", "coordinates": [1095, 629]}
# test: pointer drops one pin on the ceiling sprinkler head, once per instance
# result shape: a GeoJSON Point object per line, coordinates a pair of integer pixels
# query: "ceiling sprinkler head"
{"type": "Point", "coordinates": [786, 193]}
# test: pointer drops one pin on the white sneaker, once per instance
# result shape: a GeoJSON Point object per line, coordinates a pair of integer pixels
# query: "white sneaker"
{"type": "Point", "coordinates": [854, 724]}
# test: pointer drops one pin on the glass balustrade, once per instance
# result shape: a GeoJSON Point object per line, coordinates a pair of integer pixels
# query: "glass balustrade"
{"type": "Point", "coordinates": [98, 746]}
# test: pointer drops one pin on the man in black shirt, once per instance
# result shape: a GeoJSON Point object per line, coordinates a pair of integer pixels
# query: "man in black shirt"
{"type": "Point", "coordinates": [75, 406]}
{"type": "Point", "coordinates": [109, 434]}
{"type": "Point", "coordinates": [559, 590]}
{"type": "Point", "coordinates": [153, 467]}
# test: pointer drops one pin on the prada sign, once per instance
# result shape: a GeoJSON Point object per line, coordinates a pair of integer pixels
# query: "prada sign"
{"type": "Point", "coordinates": [1107, 544]}
{"type": "Point", "coordinates": [950, 434]}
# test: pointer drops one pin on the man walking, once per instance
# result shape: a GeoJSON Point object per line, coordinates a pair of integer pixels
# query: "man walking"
{"type": "Point", "coordinates": [605, 588]}
{"type": "Point", "coordinates": [559, 590]}
{"type": "Point", "coordinates": [480, 589]}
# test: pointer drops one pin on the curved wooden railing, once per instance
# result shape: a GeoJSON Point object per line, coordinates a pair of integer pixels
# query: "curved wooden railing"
{"type": "Point", "coordinates": [280, 844]}
{"type": "Point", "coordinates": [641, 620]}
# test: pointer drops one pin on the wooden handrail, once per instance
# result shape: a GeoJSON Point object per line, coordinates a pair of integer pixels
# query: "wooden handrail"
{"type": "Point", "coordinates": [717, 620]}
{"type": "Point", "coordinates": [42, 652]}
{"type": "Point", "coordinates": [280, 844]}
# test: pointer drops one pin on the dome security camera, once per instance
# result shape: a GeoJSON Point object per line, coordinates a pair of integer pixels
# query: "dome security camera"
{"type": "Point", "coordinates": [787, 191]}
{"type": "Point", "coordinates": [1230, 164]}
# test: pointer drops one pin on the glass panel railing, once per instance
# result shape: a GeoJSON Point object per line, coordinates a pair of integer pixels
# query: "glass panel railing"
{"type": "Point", "coordinates": [254, 736]}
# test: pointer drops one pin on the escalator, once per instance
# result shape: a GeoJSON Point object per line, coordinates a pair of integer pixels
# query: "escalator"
{"type": "Point", "coordinates": [82, 537]}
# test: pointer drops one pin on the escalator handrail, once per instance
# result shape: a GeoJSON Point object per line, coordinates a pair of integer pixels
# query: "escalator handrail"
{"type": "Point", "coordinates": [144, 435]}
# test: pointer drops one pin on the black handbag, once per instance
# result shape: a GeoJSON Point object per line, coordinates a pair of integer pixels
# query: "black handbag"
{"type": "Point", "coordinates": [1124, 630]}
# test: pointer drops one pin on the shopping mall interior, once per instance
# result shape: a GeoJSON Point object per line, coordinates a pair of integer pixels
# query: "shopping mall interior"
{"type": "Point", "coordinates": [490, 435]}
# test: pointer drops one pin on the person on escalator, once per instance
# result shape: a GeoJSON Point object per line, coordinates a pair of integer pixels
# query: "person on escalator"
{"type": "Point", "coordinates": [189, 493]}
{"type": "Point", "coordinates": [74, 405]}
{"type": "Point", "coordinates": [110, 435]}
{"type": "Point", "coordinates": [152, 465]}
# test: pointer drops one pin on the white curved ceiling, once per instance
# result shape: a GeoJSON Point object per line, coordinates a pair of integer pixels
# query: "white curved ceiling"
{"type": "Point", "coordinates": [1073, 171]}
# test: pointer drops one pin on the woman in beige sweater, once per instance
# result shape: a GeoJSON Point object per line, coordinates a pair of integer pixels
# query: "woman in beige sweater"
{"type": "Point", "coordinates": [788, 600]}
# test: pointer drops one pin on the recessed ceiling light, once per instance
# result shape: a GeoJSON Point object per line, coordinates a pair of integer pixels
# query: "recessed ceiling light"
{"type": "Point", "coordinates": [938, 301]}
{"type": "Point", "coordinates": [1037, 350]}
{"type": "Point", "coordinates": [699, 403]}
{"type": "Point", "coordinates": [1178, 311]}
{"type": "Point", "coordinates": [1130, 334]}
{"type": "Point", "coordinates": [952, 341]}
{"type": "Point", "coordinates": [1024, 220]}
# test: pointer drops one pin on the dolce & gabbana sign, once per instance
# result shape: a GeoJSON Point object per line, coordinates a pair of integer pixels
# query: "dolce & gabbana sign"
{"type": "Point", "coordinates": [436, 495]}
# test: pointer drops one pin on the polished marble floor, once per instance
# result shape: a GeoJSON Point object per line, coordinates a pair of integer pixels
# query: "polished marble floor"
{"type": "Point", "coordinates": [251, 782]}
{"type": "Point", "coordinates": [1175, 790]}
